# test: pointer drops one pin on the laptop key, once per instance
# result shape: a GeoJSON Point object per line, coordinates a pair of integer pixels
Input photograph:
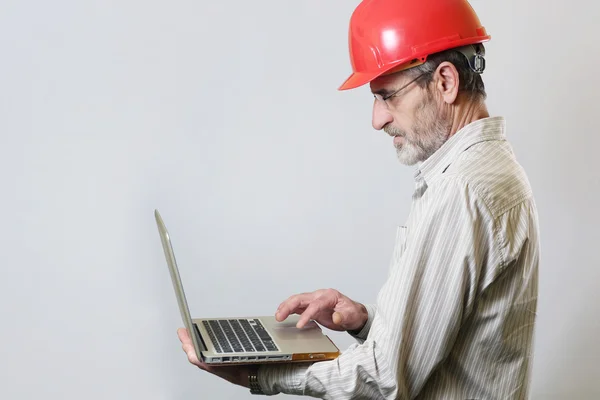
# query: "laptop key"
{"type": "Point", "coordinates": [235, 343]}
{"type": "Point", "coordinates": [264, 335]}
{"type": "Point", "coordinates": [220, 336]}
{"type": "Point", "coordinates": [252, 335]}
{"type": "Point", "coordinates": [211, 334]}
{"type": "Point", "coordinates": [270, 345]}
{"type": "Point", "coordinates": [237, 328]}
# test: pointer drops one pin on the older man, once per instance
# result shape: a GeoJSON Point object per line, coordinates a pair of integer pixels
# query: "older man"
{"type": "Point", "coordinates": [455, 318]}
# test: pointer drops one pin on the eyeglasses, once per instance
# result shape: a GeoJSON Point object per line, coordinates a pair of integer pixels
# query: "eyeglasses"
{"type": "Point", "coordinates": [385, 98]}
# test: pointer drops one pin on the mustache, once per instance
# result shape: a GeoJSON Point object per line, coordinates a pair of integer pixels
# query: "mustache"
{"type": "Point", "coordinates": [393, 131]}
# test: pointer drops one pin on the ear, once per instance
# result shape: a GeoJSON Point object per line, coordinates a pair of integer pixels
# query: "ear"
{"type": "Point", "coordinates": [447, 81]}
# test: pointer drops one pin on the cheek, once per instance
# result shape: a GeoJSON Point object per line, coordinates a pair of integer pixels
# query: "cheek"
{"type": "Point", "coordinates": [402, 120]}
{"type": "Point", "coordinates": [422, 114]}
{"type": "Point", "coordinates": [406, 122]}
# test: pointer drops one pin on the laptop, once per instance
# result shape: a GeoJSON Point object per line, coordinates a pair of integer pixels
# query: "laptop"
{"type": "Point", "coordinates": [246, 340]}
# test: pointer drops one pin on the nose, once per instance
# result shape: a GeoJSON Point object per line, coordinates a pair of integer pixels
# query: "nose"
{"type": "Point", "coordinates": [381, 115]}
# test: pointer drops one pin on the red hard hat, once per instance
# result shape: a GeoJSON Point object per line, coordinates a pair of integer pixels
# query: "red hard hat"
{"type": "Point", "coordinates": [391, 35]}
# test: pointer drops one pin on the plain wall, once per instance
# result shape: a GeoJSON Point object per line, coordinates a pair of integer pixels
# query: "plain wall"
{"type": "Point", "coordinates": [226, 117]}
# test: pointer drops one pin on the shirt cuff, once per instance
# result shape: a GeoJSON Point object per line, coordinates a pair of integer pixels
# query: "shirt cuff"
{"type": "Point", "coordinates": [283, 378]}
{"type": "Point", "coordinates": [361, 336]}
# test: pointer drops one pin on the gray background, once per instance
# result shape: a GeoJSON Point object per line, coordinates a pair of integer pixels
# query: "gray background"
{"type": "Point", "coordinates": [225, 116]}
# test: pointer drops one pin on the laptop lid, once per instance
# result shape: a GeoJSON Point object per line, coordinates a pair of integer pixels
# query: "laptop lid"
{"type": "Point", "coordinates": [179, 293]}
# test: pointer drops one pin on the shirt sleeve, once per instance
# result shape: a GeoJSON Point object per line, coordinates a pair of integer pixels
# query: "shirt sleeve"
{"type": "Point", "coordinates": [420, 309]}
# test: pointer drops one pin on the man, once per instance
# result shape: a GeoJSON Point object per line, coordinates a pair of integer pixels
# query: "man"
{"type": "Point", "coordinates": [455, 318]}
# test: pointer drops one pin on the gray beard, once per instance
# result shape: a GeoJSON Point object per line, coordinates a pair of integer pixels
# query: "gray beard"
{"type": "Point", "coordinates": [429, 133]}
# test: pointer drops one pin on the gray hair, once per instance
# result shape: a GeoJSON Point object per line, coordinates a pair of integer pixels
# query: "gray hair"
{"type": "Point", "coordinates": [470, 81]}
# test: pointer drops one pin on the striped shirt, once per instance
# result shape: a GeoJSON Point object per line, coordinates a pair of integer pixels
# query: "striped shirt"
{"type": "Point", "coordinates": [455, 318]}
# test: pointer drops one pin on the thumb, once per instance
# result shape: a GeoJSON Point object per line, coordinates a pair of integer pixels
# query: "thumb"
{"type": "Point", "coordinates": [337, 318]}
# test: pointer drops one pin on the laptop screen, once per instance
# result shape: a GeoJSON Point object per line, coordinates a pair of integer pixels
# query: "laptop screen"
{"type": "Point", "coordinates": [181, 300]}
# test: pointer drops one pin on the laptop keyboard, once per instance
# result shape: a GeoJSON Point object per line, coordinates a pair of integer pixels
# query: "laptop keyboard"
{"type": "Point", "coordinates": [239, 336]}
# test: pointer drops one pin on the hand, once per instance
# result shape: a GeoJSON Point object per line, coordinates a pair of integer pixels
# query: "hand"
{"type": "Point", "coordinates": [328, 307]}
{"type": "Point", "coordinates": [236, 374]}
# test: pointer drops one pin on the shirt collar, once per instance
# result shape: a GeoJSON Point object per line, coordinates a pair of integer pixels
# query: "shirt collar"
{"type": "Point", "coordinates": [476, 132]}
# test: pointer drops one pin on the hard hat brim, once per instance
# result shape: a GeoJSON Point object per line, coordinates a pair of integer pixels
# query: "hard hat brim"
{"type": "Point", "coordinates": [358, 79]}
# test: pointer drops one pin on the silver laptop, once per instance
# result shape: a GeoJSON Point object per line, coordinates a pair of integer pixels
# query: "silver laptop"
{"type": "Point", "coordinates": [246, 340]}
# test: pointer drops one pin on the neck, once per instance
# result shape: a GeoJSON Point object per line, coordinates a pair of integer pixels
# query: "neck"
{"type": "Point", "coordinates": [467, 113]}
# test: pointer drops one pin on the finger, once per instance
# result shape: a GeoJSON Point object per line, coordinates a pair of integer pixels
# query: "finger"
{"type": "Point", "coordinates": [183, 335]}
{"type": "Point", "coordinates": [312, 310]}
{"type": "Point", "coordinates": [298, 310]}
{"type": "Point", "coordinates": [293, 305]}
{"type": "Point", "coordinates": [305, 296]}
{"type": "Point", "coordinates": [188, 348]}
{"type": "Point", "coordinates": [191, 355]}
{"type": "Point", "coordinates": [337, 318]}
{"type": "Point", "coordinates": [286, 307]}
